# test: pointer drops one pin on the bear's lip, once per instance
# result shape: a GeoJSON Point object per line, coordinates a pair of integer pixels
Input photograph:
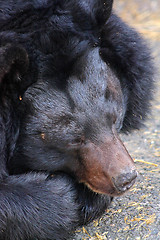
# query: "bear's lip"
{"type": "Point", "coordinates": [113, 192]}
{"type": "Point", "coordinates": [106, 189]}
{"type": "Point", "coordinates": [106, 185]}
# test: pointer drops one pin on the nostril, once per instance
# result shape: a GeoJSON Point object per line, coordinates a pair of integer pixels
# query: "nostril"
{"type": "Point", "coordinates": [125, 181]}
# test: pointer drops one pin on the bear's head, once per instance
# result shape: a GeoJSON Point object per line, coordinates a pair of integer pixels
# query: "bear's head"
{"type": "Point", "coordinates": [75, 110]}
{"type": "Point", "coordinates": [75, 129]}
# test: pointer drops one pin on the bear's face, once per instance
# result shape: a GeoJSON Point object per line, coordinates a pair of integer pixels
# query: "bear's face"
{"type": "Point", "coordinates": [75, 129]}
{"type": "Point", "coordinates": [76, 108]}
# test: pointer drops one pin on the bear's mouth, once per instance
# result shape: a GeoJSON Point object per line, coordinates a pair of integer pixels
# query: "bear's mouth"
{"type": "Point", "coordinates": [110, 187]}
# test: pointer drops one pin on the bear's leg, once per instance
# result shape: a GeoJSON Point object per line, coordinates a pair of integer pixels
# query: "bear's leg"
{"type": "Point", "coordinates": [33, 206]}
{"type": "Point", "coordinates": [92, 205]}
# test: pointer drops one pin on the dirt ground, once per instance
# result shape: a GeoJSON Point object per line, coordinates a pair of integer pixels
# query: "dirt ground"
{"type": "Point", "coordinates": [136, 216]}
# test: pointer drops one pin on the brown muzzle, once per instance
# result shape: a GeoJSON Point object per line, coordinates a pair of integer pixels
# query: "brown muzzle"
{"type": "Point", "coordinates": [107, 168]}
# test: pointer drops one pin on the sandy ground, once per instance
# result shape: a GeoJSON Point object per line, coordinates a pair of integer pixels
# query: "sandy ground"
{"type": "Point", "coordinates": [137, 214]}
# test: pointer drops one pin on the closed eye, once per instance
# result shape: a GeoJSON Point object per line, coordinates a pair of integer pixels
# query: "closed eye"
{"type": "Point", "coordinates": [76, 143]}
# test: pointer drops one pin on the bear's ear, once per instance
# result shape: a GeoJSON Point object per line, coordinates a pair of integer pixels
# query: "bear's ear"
{"type": "Point", "coordinates": [90, 14]}
{"type": "Point", "coordinates": [99, 9]}
{"type": "Point", "coordinates": [13, 65]}
{"type": "Point", "coordinates": [102, 10]}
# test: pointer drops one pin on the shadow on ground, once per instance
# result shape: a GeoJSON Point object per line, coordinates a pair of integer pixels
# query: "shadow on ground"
{"type": "Point", "coordinates": [136, 216]}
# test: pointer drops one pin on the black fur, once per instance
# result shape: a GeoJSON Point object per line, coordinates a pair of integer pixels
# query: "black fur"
{"type": "Point", "coordinates": [126, 52]}
{"type": "Point", "coordinates": [50, 58]}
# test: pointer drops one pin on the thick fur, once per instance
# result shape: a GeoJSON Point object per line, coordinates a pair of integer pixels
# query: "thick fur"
{"type": "Point", "coordinates": [126, 52]}
{"type": "Point", "coordinates": [51, 58]}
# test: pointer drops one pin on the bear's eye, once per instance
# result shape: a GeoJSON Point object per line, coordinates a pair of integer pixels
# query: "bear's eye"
{"type": "Point", "coordinates": [76, 143]}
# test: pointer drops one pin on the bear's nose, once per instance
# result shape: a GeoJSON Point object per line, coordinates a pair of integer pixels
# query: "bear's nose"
{"type": "Point", "coordinates": [125, 181]}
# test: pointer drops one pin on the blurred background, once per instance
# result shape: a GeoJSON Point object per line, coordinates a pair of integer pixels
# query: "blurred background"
{"type": "Point", "coordinates": [144, 15]}
{"type": "Point", "coordinates": [136, 216]}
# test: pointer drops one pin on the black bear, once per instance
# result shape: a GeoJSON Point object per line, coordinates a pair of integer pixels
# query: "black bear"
{"type": "Point", "coordinates": [72, 76]}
